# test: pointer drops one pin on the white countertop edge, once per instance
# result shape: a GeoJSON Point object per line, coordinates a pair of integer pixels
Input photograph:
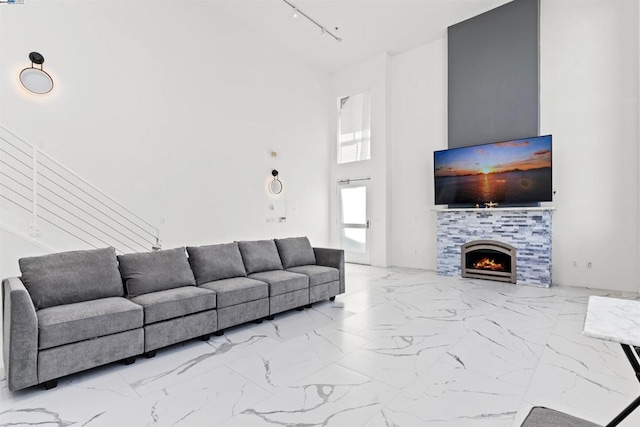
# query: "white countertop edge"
{"type": "Point", "coordinates": [610, 339]}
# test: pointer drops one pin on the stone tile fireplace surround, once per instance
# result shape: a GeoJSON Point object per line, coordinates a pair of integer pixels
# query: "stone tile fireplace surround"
{"type": "Point", "coordinates": [526, 229]}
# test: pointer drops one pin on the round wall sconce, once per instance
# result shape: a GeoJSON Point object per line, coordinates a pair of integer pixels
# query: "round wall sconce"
{"type": "Point", "coordinates": [276, 185]}
{"type": "Point", "coordinates": [36, 80]}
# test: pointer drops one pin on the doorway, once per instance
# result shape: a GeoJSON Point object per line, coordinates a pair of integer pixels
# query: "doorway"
{"type": "Point", "coordinates": [354, 205]}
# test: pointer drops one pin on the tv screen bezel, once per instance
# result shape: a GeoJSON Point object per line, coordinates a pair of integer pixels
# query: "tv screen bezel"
{"type": "Point", "coordinates": [503, 204]}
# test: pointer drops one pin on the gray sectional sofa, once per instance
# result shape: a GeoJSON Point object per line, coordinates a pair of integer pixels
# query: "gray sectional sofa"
{"type": "Point", "coordinates": [77, 310]}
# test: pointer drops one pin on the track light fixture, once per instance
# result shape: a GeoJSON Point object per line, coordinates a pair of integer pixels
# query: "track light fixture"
{"type": "Point", "coordinates": [323, 29]}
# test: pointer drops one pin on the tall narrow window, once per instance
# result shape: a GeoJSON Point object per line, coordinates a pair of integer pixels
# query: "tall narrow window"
{"type": "Point", "coordinates": [354, 128]}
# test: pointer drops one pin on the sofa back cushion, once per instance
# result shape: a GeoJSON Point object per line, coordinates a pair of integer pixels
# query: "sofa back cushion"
{"type": "Point", "coordinates": [70, 277]}
{"type": "Point", "coordinates": [148, 272]}
{"type": "Point", "coordinates": [260, 255]}
{"type": "Point", "coordinates": [295, 251]}
{"type": "Point", "coordinates": [216, 262]}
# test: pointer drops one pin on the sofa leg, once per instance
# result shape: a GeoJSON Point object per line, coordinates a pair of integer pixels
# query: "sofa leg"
{"type": "Point", "coordinates": [332, 299]}
{"type": "Point", "coordinates": [48, 385]}
{"type": "Point", "coordinates": [258, 321]}
{"type": "Point", "coordinates": [129, 360]}
{"type": "Point", "coordinates": [205, 337]}
{"type": "Point", "coordinates": [219, 333]}
{"type": "Point", "coordinates": [308, 306]}
{"type": "Point", "coordinates": [150, 354]}
{"type": "Point", "coordinates": [271, 317]}
{"type": "Point", "coordinates": [299, 308]}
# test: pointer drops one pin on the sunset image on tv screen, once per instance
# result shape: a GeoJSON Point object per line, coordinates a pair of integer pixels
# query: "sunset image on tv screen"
{"type": "Point", "coordinates": [517, 171]}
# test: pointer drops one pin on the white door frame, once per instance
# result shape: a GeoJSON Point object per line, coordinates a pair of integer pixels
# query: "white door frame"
{"type": "Point", "coordinates": [351, 256]}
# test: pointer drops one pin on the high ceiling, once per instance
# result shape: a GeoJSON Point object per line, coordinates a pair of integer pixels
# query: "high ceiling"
{"type": "Point", "coordinates": [367, 27]}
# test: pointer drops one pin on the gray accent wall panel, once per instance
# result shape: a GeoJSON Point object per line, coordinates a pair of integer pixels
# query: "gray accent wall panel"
{"type": "Point", "coordinates": [493, 75]}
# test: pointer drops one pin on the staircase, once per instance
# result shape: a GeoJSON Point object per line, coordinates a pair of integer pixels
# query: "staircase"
{"type": "Point", "coordinates": [48, 203]}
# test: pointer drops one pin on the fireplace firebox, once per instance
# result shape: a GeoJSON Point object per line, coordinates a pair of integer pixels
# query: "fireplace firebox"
{"type": "Point", "coordinates": [489, 259]}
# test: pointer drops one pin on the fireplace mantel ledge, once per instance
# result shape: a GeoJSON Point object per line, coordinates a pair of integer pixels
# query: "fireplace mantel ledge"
{"type": "Point", "coordinates": [542, 208]}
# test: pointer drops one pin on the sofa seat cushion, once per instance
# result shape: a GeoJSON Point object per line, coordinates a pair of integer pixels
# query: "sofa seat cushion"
{"type": "Point", "coordinates": [71, 277]}
{"type": "Point", "coordinates": [260, 255]}
{"type": "Point", "coordinates": [318, 274]}
{"type": "Point", "coordinates": [282, 282]}
{"type": "Point", "coordinates": [216, 262]}
{"type": "Point", "coordinates": [65, 324]}
{"type": "Point", "coordinates": [295, 251]}
{"type": "Point", "coordinates": [172, 303]}
{"type": "Point", "coordinates": [148, 272]}
{"type": "Point", "coordinates": [237, 290]}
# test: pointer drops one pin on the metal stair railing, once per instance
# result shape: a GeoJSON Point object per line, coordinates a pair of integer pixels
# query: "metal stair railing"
{"type": "Point", "coordinates": [52, 193]}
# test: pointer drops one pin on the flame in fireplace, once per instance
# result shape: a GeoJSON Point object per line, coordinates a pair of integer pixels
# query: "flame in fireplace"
{"type": "Point", "coordinates": [488, 264]}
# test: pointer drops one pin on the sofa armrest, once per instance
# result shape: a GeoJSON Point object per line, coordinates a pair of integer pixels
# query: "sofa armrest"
{"type": "Point", "coordinates": [19, 335]}
{"type": "Point", "coordinates": [332, 258]}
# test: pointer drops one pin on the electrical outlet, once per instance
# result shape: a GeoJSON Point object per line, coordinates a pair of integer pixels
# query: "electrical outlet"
{"type": "Point", "coordinates": [34, 231]}
{"type": "Point", "coordinates": [589, 264]}
{"type": "Point", "coordinates": [574, 263]}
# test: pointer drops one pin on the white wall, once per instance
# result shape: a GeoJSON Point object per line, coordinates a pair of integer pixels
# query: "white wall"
{"type": "Point", "coordinates": [419, 126]}
{"type": "Point", "coordinates": [370, 75]}
{"type": "Point", "coordinates": [13, 242]}
{"type": "Point", "coordinates": [173, 109]}
{"type": "Point", "coordinates": [589, 102]}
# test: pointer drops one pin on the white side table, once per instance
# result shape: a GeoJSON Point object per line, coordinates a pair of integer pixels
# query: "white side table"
{"type": "Point", "coordinates": [616, 320]}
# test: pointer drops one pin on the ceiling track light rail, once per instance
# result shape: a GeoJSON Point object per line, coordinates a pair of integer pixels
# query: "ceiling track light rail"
{"type": "Point", "coordinates": [323, 30]}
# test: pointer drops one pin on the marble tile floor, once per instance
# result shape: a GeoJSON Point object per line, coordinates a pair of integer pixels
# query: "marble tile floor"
{"type": "Point", "coordinates": [401, 348]}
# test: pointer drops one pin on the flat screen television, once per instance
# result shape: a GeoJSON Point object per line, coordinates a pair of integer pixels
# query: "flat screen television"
{"type": "Point", "coordinates": [515, 173]}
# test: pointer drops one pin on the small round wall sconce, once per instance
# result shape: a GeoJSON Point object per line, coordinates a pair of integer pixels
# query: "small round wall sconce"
{"type": "Point", "coordinates": [36, 80]}
{"type": "Point", "coordinates": [276, 185]}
